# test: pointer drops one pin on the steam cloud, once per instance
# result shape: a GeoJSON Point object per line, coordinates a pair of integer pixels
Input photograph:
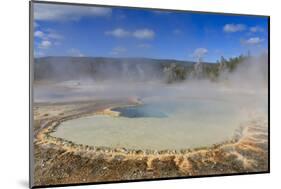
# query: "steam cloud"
{"type": "Point", "coordinates": [247, 86]}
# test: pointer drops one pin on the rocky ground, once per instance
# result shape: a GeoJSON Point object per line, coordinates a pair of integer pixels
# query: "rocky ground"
{"type": "Point", "coordinates": [58, 161]}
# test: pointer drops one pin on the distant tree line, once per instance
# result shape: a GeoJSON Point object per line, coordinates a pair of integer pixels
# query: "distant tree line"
{"type": "Point", "coordinates": [179, 72]}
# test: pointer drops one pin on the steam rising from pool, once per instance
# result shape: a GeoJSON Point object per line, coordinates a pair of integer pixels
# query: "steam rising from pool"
{"type": "Point", "coordinates": [188, 114]}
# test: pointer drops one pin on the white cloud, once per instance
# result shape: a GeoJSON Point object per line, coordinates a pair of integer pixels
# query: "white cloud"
{"type": "Point", "coordinates": [200, 52]}
{"type": "Point", "coordinates": [118, 50]}
{"type": "Point", "coordinates": [47, 38]}
{"type": "Point", "coordinates": [55, 12]}
{"type": "Point", "coordinates": [139, 33]}
{"type": "Point", "coordinates": [48, 34]}
{"type": "Point", "coordinates": [230, 28]}
{"type": "Point", "coordinates": [144, 34]}
{"type": "Point", "coordinates": [45, 44]}
{"type": "Point", "coordinates": [118, 32]}
{"type": "Point", "coordinates": [253, 41]}
{"type": "Point", "coordinates": [75, 52]}
{"type": "Point", "coordinates": [39, 34]}
{"type": "Point", "coordinates": [256, 29]}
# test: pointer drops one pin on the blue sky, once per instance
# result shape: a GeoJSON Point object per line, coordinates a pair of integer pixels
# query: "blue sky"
{"type": "Point", "coordinates": [66, 30]}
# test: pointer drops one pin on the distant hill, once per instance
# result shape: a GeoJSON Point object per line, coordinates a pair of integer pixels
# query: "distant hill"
{"type": "Point", "coordinates": [64, 68]}
{"type": "Point", "coordinates": [103, 68]}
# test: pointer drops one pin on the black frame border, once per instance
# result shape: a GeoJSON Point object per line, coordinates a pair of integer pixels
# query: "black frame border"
{"type": "Point", "coordinates": [31, 58]}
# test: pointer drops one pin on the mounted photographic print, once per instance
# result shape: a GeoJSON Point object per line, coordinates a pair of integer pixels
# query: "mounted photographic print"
{"type": "Point", "coordinates": [122, 94]}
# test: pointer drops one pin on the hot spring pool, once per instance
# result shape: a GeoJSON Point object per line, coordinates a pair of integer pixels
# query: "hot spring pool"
{"type": "Point", "coordinates": [173, 126]}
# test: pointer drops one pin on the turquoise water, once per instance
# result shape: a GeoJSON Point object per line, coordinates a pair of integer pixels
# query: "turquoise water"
{"type": "Point", "coordinates": [141, 111]}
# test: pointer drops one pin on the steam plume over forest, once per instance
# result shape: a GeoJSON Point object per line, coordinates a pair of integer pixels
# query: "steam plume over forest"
{"type": "Point", "coordinates": [141, 69]}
